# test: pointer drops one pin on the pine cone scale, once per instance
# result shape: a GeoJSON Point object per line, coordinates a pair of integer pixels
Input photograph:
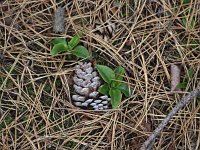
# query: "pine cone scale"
{"type": "Point", "coordinates": [86, 84]}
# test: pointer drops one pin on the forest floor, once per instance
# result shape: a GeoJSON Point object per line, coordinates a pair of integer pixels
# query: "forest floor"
{"type": "Point", "coordinates": [149, 36]}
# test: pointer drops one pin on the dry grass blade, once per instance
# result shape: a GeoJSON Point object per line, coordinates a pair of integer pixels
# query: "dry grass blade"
{"type": "Point", "coordinates": [146, 38]}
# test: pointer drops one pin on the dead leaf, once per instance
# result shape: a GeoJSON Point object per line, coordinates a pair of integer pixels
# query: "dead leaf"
{"type": "Point", "coordinates": [146, 126]}
{"type": "Point", "coordinates": [175, 77]}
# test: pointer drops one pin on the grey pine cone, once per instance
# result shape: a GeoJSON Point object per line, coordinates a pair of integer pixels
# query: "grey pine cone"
{"type": "Point", "coordinates": [86, 84]}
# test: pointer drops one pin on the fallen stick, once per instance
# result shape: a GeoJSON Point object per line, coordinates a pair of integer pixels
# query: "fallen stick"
{"type": "Point", "coordinates": [184, 101]}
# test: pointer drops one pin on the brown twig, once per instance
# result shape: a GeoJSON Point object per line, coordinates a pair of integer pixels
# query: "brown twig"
{"type": "Point", "coordinates": [184, 101]}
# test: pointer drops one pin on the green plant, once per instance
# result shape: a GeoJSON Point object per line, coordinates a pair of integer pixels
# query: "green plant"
{"type": "Point", "coordinates": [188, 21]}
{"type": "Point", "coordinates": [61, 45]}
{"type": "Point", "coordinates": [114, 85]}
{"type": "Point", "coordinates": [198, 99]}
{"type": "Point", "coordinates": [194, 44]}
{"type": "Point", "coordinates": [185, 1]}
{"type": "Point", "coordinates": [6, 121]}
{"type": "Point", "coordinates": [187, 78]}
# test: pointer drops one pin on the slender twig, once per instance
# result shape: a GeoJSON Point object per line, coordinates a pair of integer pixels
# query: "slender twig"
{"type": "Point", "coordinates": [184, 101]}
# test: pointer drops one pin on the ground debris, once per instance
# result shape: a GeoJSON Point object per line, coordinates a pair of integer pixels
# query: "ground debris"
{"type": "Point", "coordinates": [184, 101]}
{"type": "Point", "coordinates": [175, 77]}
{"type": "Point", "coordinates": [59, 20]}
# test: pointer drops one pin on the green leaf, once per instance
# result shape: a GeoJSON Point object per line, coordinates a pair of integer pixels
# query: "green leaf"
{"type": "Point", "coordinates": [198, 98]}
{"type": "Point", "coordinates": [190, 74]}
{"type": "Point", "coordinates": [186, 1]}
{"type": "Point", "coordinates": [74, 41]}
{"type": "Point", "coordinates": [192, 23]}
{"type": "Point", "coordinates": [58, 40]}
{"type": "Point", "coordinates": [123, 87]}
{"type": "Point", "coordinates": [184, 21]}
{"type": "Point", "coordinates": [119, 72]}
{"type": "Point", "coordinates": [194, 44]}
{"type": "Point", "coordinates": [106, 73]}
{"type": "Point", "coordinates": [104, 89]}
{"type": "Point", "coordinates": [182, 85]}
{"type": "Point", "coordinates": [81, 52]}
{"type": "Point", "coordinates": [60, 47]}
{"type": "Point", "coordinates": [188, 23]}
{"type": "Point", "coordinates": [116, 97]}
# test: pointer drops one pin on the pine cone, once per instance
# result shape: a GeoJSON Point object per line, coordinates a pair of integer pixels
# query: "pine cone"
{"type": "Point", "coordinates": [86, 84]}
{"type": "Point", "coordinates": [105, 31]}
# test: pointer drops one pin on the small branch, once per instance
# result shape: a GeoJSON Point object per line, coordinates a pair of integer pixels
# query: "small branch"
{"type": "Point", "coordinates": [59, 20]}
{"type": "Point", "coordinates": [184, 101]}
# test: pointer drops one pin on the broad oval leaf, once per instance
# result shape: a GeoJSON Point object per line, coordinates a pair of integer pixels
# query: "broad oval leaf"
{"type": "Point", "coordinates": [74, 41]}
{"type": "Point", "coordinates": [106, 73]}
{"type": "Point", "coordinates": [116, 97]}
{"type": "Point", "coordinates": [104, 89]}
{"type": "Point", "coordinates": [123, 87]}
{"type": "Point", "coordinates": [81, 52]}
{"type": "Point", "coordinates": [119, 72]}
{"type": "Point", "coordinates": [60, 47]}
{"type": "Point", "coordinates": [58, 40]}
